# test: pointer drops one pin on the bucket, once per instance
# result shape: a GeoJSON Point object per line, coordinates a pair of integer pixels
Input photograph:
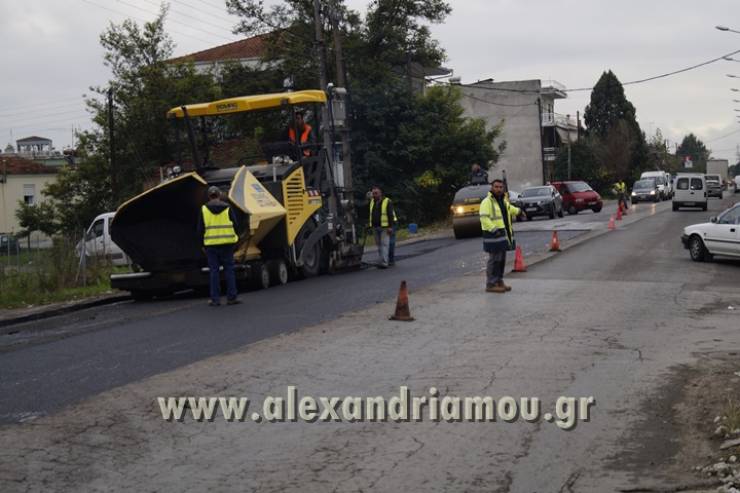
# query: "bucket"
{"type": "Point", "coordinates": [413, 228]}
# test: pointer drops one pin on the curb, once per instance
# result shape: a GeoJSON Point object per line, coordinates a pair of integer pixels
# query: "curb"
{"type": "Point", "coordinates": [61, 310]}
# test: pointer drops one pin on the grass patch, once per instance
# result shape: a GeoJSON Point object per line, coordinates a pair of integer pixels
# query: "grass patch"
{"type": "Point", "coordinates": [731, 415]}
{"type": "Point", "coordinates": [50, 275]}
{"type": "Point", "coordinates": [403, 233]}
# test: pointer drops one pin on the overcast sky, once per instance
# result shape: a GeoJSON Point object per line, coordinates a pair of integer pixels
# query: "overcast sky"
{"type": "Point", "coordinates": [51, 55]}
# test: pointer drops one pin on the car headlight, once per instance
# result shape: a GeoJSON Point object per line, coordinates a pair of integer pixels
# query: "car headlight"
{"type": "Point", "coordinates": [633, 194]}
{"type": "Point", "coordinates": [652, 192]}
{"type": "Point", "coordinates": [459, 209]}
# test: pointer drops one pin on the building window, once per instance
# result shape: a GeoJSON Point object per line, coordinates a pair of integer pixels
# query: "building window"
{"type": "Point", "coordinates": [29, 194]}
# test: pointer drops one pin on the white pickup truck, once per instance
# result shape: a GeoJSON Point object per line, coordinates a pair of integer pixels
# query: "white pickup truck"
{"type": "Point", "coordinates": [98, 242]}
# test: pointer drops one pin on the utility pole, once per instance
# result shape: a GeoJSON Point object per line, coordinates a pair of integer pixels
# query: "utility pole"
{"type": "Point", "coordinates": [542, 150]}
{"type": "Point", "coordinates": [342, 82]}
{"type": "Point", "coordinates": [111, 148]}
{"type": "Point", "coordinates": [567, 119]}
{"type": "Point", "coordinates": [325, 127]}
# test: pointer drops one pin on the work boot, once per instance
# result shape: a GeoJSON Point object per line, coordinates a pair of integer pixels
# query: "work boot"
{"type": "Point", "coordinates": [233, 301]}
{"type": "Point", "coordinates": [214, 303]}
{"type": "Point", "coordinates": [496, 288]}
{"type": "Point", "coordinates": [505, 286]}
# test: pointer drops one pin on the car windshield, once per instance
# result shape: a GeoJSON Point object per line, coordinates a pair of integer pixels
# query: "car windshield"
{"type": "Point", "coordinates": [471, 194]}
{"type": "Point", "coordinates": [537, 192]}
{"type": "Point", "coordinates": [578, 186]}
{"type": "Point", "coordinates": [644, 184]}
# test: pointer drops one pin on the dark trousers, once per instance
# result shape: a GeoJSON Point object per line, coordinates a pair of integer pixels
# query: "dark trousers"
{"type": "Point", "coordinates": [495, 267]}
{"type": "Point", "coordinates": [221, 255]}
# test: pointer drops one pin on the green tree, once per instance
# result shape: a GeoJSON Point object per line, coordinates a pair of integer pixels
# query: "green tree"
{"type": "Point", "coordinates": [145, 85]}
{"type": "Point", "coordinates": [692, 147]}
{"type": "Point", "coordinates": [611, 121]}
{"type": "Point", "coordinates": [417, 147]}
{"type": "Point", "coordinates": [36, 217]}
{"type": "Point", "coordinates": [585, 165]}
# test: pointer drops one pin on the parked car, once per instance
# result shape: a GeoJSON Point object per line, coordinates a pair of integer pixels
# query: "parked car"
{"type": "Point", "coordinates": [578, 196]}
{"type": "Point", "coordinates": [691, 191]}
{"type": "Point", "coordinates": [736, 180]}
{"type": "Point", "coordinates": [540, 201]}
{"type": "Point", "coordinates": [662, 179]}
{"type": "Point", "coordinates": [645, 190]}
{"type": "Point", "coordinates": [714, 185]}
{"type": "Point", "coordinates": [98, 242]}
{"type": "Point", "coordinates": [720, 236]}
{"type": "Point", "coordinates": [9, 244]}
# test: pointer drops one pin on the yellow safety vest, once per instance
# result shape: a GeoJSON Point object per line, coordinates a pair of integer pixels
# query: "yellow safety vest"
{"type": "Point", "coordinates": [491, 217]}
{"type": "Point", "coordinates": [383, 213]}
{"type": "Point", "coordinates": [219, 228]}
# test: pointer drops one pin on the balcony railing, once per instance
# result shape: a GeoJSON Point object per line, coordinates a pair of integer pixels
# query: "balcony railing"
{"type": "Point", "coordinates": [558, 120]}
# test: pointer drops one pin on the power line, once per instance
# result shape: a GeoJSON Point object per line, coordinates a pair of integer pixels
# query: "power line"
{"type": "Point", "coordinates": [204, 12]}
{"type": "Point", "coordinates": [41, 117]}
{"type": "Point", "coordinates": [145, 20]}
{"type": "Point", "coordinates": [44, 104]}
{"type": "Point", "coordinates": [470, 96]}
{"type": "Point", "coordinates": [724, 136]}
{"type": "Point", "coordinates": [41, 108]}
{"type": "Point", "coordinates": [191, 17]}
{"type": "Point", "coordinates": [176, 22]}
{"type": "Point", "coordinates": [661, 76]}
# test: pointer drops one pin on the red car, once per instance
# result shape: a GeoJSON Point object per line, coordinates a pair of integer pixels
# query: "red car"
{"type": "Point", "coordinates": [578, 196]}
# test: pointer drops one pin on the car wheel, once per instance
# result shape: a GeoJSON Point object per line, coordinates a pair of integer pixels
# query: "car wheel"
{"type": "Point", "coordinates": [697, 250]}
{"type": "Point", "coordinates": [572, 210]}
{"type": "Point", "coordinates": [560, 212]}
{"type": "Point", "coordinates": [704, 207]}
{"type": "Point", "coordinates": [529, 218]}
{"type": "Point", "coordinates": [552, 212]}
{"type": "Point", "coordinates": [675, 206]}
{"type": "Point", "coordinates": [596, 209]}
{"type": "Point", "coordinates": [657, 199]}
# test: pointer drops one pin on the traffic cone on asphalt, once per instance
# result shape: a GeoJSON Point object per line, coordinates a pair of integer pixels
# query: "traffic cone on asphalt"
{"type": "Point", "coordinates": [519, 265]}
{"type": "Point", "coordinates": [612, 225]}
{"type": "Point", "coordinates": [403, 313]}
{"type": "Point", "coordinates": [554, 242]}
{"type": "Point", "coordinates": [619, 212]}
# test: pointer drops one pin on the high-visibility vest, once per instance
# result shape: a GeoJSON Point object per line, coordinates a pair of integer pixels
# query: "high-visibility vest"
{"type": "Point", "coordinates": [491, 216]}
{"type": "Point", "coordinates": [620, 187]}
{"type": "Point", "coordinates": [305, 135]}
{"type": "Point", "coordinates": [219, 230]}
{"type": "Point", "coordinates": [383, 213]}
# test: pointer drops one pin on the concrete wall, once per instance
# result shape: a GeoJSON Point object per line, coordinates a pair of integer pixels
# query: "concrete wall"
{"type": "Point", "coordinates": [12, 191]}
{"type": "Point", "coordinates": [501, 101]}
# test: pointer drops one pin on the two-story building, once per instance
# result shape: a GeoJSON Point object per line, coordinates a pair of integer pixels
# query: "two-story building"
{"type": "Point", "coordinates": [20, 180]}
{"type": "Point", "coordinates": [534, 132]}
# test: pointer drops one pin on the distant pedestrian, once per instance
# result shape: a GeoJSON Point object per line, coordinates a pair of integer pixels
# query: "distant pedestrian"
{"type": "Point", "coordinates": [496, 215]}
{"type": "Point", "coordinates": [216, 226]}
{"type": "Point", "coordinates": [381, 221]}
{"type": "Point", "coordinates": [478, 176]}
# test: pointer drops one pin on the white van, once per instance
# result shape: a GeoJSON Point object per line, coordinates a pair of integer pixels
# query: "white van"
{"type": "Point", "coordinates": [98, 243]}
{"type": "Point", "coordinates": [691, 191]}
{"type": "Point", "coordinates": [663, 180]}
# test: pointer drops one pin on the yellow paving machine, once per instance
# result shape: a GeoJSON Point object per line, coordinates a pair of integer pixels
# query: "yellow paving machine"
{"type": "Point", "coordinates": [292, 219]}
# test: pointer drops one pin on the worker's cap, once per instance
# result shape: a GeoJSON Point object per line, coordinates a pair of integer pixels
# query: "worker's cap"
{"type": "Point", "coordinates": [214, 191]}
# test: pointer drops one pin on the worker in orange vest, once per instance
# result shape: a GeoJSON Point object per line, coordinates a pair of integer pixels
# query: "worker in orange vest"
{"type": "Point", "coordinates": [304, 130]}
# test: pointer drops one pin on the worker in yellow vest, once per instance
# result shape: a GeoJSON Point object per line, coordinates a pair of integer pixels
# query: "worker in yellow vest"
{"type": "Point", "coordinates": [216, 226]}
{"type": "Point", "coordinates": [381, 219]}
{"type": "Point", "coordinates": [496, 217]}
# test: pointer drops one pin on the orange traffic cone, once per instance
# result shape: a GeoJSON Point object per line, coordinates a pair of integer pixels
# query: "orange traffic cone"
{"type": "Point", "coordinates": [402, 305]}
{"type": "Point", "coordinates": [612, 226]}
{"type": "Point", "coordinates": [619, 212]}
{"type": "Point", "coordinates": [554, 242]}
{"type": "Point", "coordinates": [519, 265]}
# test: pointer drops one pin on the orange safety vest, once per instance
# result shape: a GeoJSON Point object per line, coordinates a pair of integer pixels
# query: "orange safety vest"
{"type": "Point", "coordinates": [304, 137]}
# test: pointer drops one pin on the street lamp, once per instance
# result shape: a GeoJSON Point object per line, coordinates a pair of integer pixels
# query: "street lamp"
{"type": "Point", "coordinates": [733, 89]}
{"type": "Point", "coordinates": [725, 28]}
{"type": "Point", "coordinates": [733, 76]}
{"type": "Point", "coordinates": [730, 59]}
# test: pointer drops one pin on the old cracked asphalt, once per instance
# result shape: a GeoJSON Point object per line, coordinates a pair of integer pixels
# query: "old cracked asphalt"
{"type": "Point", "coordinates": [610, 318]}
